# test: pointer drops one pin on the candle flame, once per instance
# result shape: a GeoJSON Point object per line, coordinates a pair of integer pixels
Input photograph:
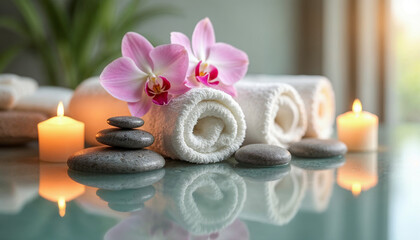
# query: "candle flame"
{"type": "Point", "coordinates": [356, 189]}
{"type": "Point", "coordinates": [61, 206]}
{"type": "Point", "coordinates": [357, 106]}
{"type": "Point", "coordinates": [60, 109]}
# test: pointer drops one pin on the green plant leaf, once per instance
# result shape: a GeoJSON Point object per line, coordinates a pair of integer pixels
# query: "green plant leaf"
{"type": "Point", "coordinates": [7, 56]}
{"type": "Point", "coordinates": [13, 25]}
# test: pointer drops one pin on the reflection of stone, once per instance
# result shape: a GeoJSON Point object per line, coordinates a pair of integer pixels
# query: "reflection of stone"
{"type": "Point", "coordinates": [360, 173]}
{"type": "Point", "coordinates": [318, 164]}
{"type": "Point", "coordinates": [275, 202]}
{"type": "Point", "coordinates": [127, 200]}
{"type": "Point", "coordinates": [319, 191]}
{"type": "Point", "coordinates": [147, 224]}
{"type": "Point", "coordinates": [263, 174]}
{"type": "Point", "coordinates": [201, 198]}
{"type": "Point", "coordinates": [117, 181]}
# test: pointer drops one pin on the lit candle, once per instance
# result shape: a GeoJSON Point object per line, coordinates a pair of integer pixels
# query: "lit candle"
{"type": "Point", "coordinates": [59, 137]}
{"type": "Point", "coordinates": [56, 186]}
{"type": "Point", "coordinates": [359, 173]}
{"type": "Point", "coordinates": [358, 129]}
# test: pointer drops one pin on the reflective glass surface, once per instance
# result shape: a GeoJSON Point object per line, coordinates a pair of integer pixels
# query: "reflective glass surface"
{"type": "Point", "coordinates": [358, 196]}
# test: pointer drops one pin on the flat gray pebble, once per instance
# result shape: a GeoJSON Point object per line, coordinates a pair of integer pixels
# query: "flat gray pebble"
{"type": "Point", "coordinates": [117, 181]}
{"type": "Point", "coordinates": [125, 138]}
{"type": "Point", "coordinates": [114, 160]}
{"type": "Point", "coordinates": [263, 155]}
{"type": "Point", "coordinates": [317, 148]}
{"type": "Point", "coordinates": [127, 122]}
{"type": "Point", "coordinates": [127, 196]}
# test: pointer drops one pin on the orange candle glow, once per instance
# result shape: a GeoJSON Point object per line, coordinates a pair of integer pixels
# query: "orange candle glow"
{"type": "Point", "coordinates": [358, 129]}
{"type": "Point", "coordinates": [359, 173]}
{"type": "Point", "coordinates": [56, 186]}
{"type": "Point", "coordinates": [59, 137]}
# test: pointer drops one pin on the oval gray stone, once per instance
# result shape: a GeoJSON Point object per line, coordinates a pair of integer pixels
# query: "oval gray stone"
{"type": "Point", "coordinates": [263, 155]}
{"type": "Point", "coordinates": [117, 181]}
{"type": "Point", "coordinates": [125, 138]}
{"type": "Point", "coordinates": [114, 160]}
{"type": "Point", "coordinates": [317, 148]}
{"type": "Point", "coordinates": [127, 122]}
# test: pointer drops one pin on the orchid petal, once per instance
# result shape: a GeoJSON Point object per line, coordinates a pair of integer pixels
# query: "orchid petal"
{"type": "Point", "coordinates": [197, 68]}
{"type": "Point", "coordinates": [183, 40]}
{"type": "Point", "coordinates": [171, 62]}
{"type": "Point", "coordinates": [213, 72]}
{"type": "Point", "coordinates": [140, 108]}
{"type": "Point", "coordinates": [136, 47]}
{"type": "Point", "coordinates": [203, 79]}
{"type": "Point", "coordinates": [229, 89]}
{"type": "Point", "coordinates": [123, 80]}
{"type": "Point", "coordinates": [203, 39]}
{"type": "Point", "coordinates": [165, 83]}
{"type": "Point", "coordinates": [231, 62]}
{"type": "Point", "coordinates": [161, 98]}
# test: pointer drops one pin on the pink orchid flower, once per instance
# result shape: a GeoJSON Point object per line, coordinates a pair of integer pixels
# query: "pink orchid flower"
{"type": "Point", "coordinates": [216, 65]}
{"type": "Point", "coordinates": [146, 75]}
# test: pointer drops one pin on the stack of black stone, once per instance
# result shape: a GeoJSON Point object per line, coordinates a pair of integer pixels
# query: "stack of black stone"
{"type": "Point", "coordinates": [125, 152]}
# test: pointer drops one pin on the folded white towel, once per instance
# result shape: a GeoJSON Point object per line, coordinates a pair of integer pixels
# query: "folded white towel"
{"type": "Point", "coordinates": [275, 202]}
{"type": "Point", "coordinates": [45, 100]}
{"type": "Point", "coordinates": [319, 191]}
{"type": "Point", "coordinates": [93, 105]}
{"type": "Point", "coordinates": [13, 87]}
{"type": "Point", "coordinates": [201, 126]}
{"type": "Point", "coordinates": [318, 96]}
{"type": "Point", "coordinates": [201, 198]}
{"type": "Point", "coordinates": [274, 113]}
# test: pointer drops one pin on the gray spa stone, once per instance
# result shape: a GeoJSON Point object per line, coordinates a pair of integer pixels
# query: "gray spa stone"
{"type": "Point", "coordinates": [263, 155]}
{"type": "Point", "coordinates": [117, 181]}
{"type": "Point", "coordinates": [127, 122]}
{"type": "Point", "coordinates": [114, 160]}
{"type": "Point", "coordinates": [125, 138]}
{"type": "Point", "coordinates": [128, 196]}
{"type": "Point", "coordinates": [317, 148]}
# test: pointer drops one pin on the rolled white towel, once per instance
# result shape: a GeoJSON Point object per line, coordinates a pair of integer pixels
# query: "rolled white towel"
{"type": "Point", "coordinates": [275, 202]}
{"type": "Point", "coordinates": [319, 191]}
{"type": "Point", "coordinates": [45, 100]}
{"type": "Point", "coordinates": [202, 198]}
{"type": "Point", "coordinates": [201, 126]}
{"type": "Point", "coordinates": [93, 105]}
{"type": "Point", "coordinates": [274, 113]}
{"type": "Point", "coordinates": [318, 96]}
{"type": "Point", "coordinates": [14, 87]}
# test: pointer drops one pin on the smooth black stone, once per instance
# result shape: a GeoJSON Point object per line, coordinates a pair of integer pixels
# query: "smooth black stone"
{"type": "Point", "coordinates": [125, 138]}
{"type": "Point", "coordinates": [317, 148]}
{"type": "Point", "coordinates": [127, 196]}
{"type": "Point", "coordinates": [117, 181]}
{"type": "Point", "coordinates": [263, 155]}
{"type": "Point", "coordinates": [114, 160]}
{"type": "Point", "coordinates": [126, 122]}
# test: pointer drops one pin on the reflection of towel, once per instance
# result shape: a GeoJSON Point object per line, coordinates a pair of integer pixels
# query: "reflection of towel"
{"type": "Point", "coordinates": [93, 105]}
{"type": "Point", "coordinates": [320, 187]}
{"type": "Point", "coordinates": [318, 96]}
{"type": "Point", "coordinates": [45, 100]}
{"type": "Point", "coordinates": [202, 198]}
{"type": "Point", "coordinates": [201, 126]}
{"type": "Point", "coordinates": [275, 202]}
{"type": "Point", "coordinates": [13, 87]}
{"type": "Point", "coordinates": [274, 113]}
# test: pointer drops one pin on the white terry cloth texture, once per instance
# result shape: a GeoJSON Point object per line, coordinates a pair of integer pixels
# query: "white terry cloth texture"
{"type": "Point", "coordinates": [275, 202]}
{"type": "Point", "coordinates": [319, 191]}
{"type": "Point", "coordinates": [45, 100]}
{"type": "Point", "coordinates": [318, 96]}
{"type": "Point", "coordinates": [13, 87]}
{"type": "Point", "coordinates": [274, 113]}
{"type": "Point", "coordinates": [203, 125]}
{"type": "Point", "coordinates": [93, 105]}
{"type": "Point", "coordinates": [201, 198]}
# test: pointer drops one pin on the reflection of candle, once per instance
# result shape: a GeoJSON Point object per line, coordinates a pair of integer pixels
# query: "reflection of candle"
{"type": "Point", "coordinates": [56, 186]}
{"type": "Point", "coordinates": [358, 129]}
{"type": "Point", "coordinates": [59, 137]}
{"type": "Point", "coordinates": [359, 173]}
